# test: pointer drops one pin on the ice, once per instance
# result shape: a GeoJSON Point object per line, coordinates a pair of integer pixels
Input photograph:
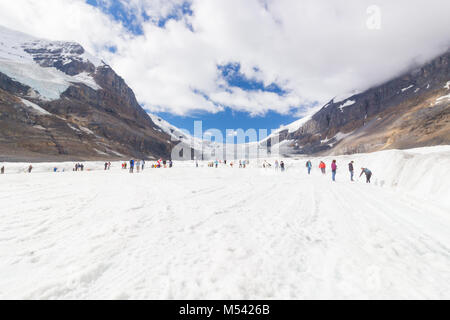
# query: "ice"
{"type": "Point", "coordinates": [202, 233]}
{"type": "Point", "coordinates": [443, 98]}
{"type": "Point", "coordinates": [338, 137]}
{"type": "Point", "coordinates": [35, 107]}
{"type": "Point", "coordinates": [345, 96]}
{"type": "Point", "coordinates": [347, 104]}
{"type": "Point", "coordinates": [407, 88]}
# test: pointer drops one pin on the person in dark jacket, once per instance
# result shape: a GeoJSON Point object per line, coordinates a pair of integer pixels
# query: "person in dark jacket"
{"type": "Point", "coordinates": [282, 166]}
{"type": "Point", "coordinates": [352, 170]}
{"type": "Point", "coordinates": [2, 170]}
{"type": "Point", "coordinates": [131, 166]}
{"type": "Point", "coordinates": [368, 174]}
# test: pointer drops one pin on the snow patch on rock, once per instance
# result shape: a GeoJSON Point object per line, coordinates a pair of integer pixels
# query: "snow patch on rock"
{"type": "Point", "coordinates": [35, 107]}
{"type": "Point", "coordinates": [348, 103]}
{"type": "Point", "coordinates": [407, 88]}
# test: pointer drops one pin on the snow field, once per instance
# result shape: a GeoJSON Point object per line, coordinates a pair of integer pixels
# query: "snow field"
{"type": "Point", "coordinates": [227, 233]}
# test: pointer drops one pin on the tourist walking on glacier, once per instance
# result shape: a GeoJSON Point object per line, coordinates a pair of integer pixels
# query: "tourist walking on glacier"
{"type": "Point", "coordinates": [368, 174]}
{"type": "Point", "coordinates": [277, 165]}
{"type": "Point", "coordinates": [30, 168]}
{"type": "Point", "coordinates": [282, 166]}
{"type": "Point", "coordinates": [309, 166]}
{"type": "Point", "coordinates": [322, 167]}
{"type": "Point", "coordinates": [131, 166]}
{"type": "Point", "coordinates": [351, 170]}
{"type": "Point", "coordinates": [333, 170]}
{"type": "Point", "coordinates": [143, 165]}
{"type": "Point", "coordinates": [138, 166]}
{"type": "Point", "coordinates": [2, 170]}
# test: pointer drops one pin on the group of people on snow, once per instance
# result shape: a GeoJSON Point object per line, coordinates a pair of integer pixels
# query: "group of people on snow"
{"type": "Point", "coordinates": [139, 165]}
{"type": "Point", "coordinates": [215, 164]}
{"type": "Point", "coordinates": [78, 167]}
{"type": "Point", "coordinates": [279, 166]}
{"type": "Point", "coordinates": [334, 167]}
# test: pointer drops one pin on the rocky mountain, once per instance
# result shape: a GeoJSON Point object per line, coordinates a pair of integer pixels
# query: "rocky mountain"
{"type": "Point", "coordinates": [57, 102]}
{"type": "Point", "coordinates": [410, 111]}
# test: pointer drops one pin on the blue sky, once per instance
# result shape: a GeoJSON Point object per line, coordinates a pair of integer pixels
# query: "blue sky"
{"type": "Point", "coordinates": [231, 73]}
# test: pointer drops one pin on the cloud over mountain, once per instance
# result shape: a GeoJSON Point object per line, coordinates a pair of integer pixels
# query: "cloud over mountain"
{"type": "Point", "coordinates": [171, 52]}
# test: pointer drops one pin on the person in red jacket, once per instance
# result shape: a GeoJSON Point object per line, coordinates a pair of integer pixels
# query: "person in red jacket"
{"type": "Point", "coordinates": [322, 167]}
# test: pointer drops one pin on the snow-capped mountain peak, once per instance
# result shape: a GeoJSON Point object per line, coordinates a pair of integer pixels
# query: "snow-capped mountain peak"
{"type": "Point", "coordinates": [48, 67]}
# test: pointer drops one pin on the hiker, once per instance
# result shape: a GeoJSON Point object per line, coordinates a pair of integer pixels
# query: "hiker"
{"type": "Point", "coordinates": [196, 164]}
{"type": "Point", "coordinates": [131, 166]}
{"type": "Point", "coordinates": [351, 169]}
{"type": "Point", "coordinates": [368, 174]}
{"type": "Point", "coordinates": [333, 170]}
{"type": "Point", "coordinates": [282, 166]}
{"type": "Point", "coordinates": [138, 166]}
{"type": "Point", "coordinates": [82, 167]}
{"type": "Point", "coordinates": [170, 164]}
{"type": "Point", "coordinates": [106, 166]}
{"type": "Point", "coordinates": [309, 166]}
{"type": "Point", "coordinates": [2, 170]}
{"type": "Point", "coordinates": [322, 167]}
{"type": "Point", "coordinates": [143, 165]}
{"type": "Point", "coordinates": [30, 168]}
{"type": "Point", "coordinates": [277, 165]}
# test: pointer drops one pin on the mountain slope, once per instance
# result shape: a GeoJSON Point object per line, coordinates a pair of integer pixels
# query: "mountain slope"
{"type": "Point", "coordinates": [59, 103]}
{"type": "Point", "coordinates": [410, 111]}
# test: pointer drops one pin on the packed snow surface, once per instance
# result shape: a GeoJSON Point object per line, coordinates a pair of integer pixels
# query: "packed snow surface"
{"type": "Point", "coordinates": [187, 233]}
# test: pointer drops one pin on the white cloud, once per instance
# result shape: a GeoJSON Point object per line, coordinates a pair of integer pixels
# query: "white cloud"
{"type": "Point", "coordinates": [313, 49]}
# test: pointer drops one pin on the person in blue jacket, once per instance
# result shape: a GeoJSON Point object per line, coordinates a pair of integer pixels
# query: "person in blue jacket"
{"type": "Point", "coordinates": [309, 166]}
{"type": "Point", "coordinates": [131, 166]}
{"type": "Point", "coordinates": [368, 174]}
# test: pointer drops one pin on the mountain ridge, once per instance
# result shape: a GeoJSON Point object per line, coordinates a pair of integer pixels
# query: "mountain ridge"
{"type": "Point", "coordinates": [407, 111]}
{"type": "Point", "coordinates": [91, 113]}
